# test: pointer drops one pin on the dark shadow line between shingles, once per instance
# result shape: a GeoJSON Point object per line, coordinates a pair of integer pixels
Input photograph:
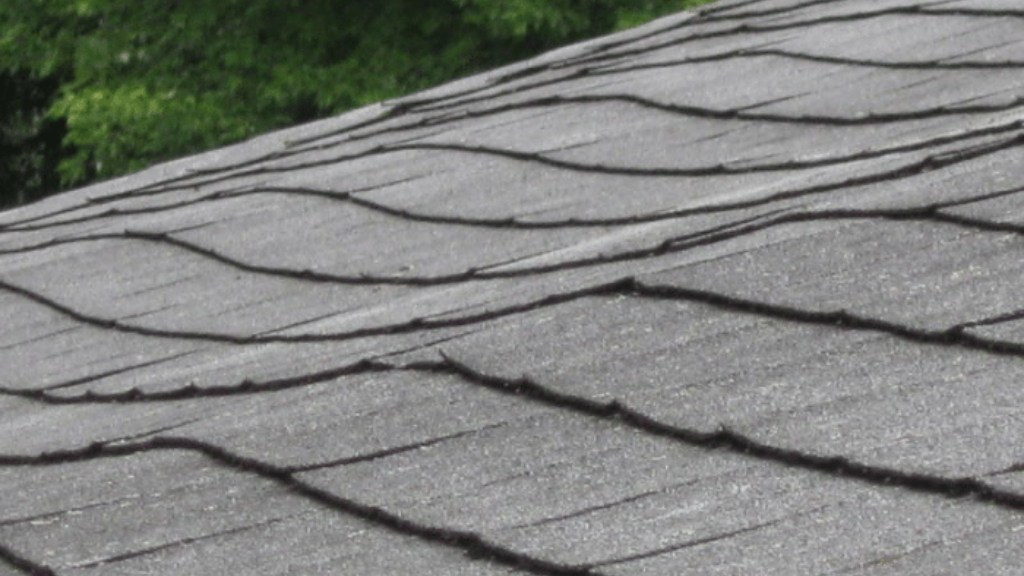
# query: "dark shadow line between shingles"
{"type": "Point", "coordinates": [742, 114]}
{"type": "Point", "coordinates": [224, 173]}
{"type": "Point", "coordinates": [924, 212]}
{"type": "Point", "coordinates": [423, 324]}
{"type": "Point", "coordinates": [707, 16]}
{"type": "Point", "coordinates": [33, 224]}
{"type": "Point", "coordinates": [720, 169]}
{"type": "Point", "coordinates": [612, 69]}
{"type": "Point", "coordinates": [626, 286]}
{"type": "Point", "coordinates": [1012, 469]}
{"type": "Point", "coordinates": [415, 103]}
{"type": "Point", "coordinates": [613, 410]}
{"type": "Point", "coordinates": [387, 452]}
{"type": "Point", "coordinates": [412, 326]}
{"type": "Point", "coordinates": [412, 103]}
{"type": "Point", "coordinates": [191, 391]}
{"type": "Point", "coordinates": [343, 197]}
{"type": "Point", "coordinates": [228, 171]}
{"type": "Point", "coordinates": [734, 442]}
{"type": "Point", "coordinates": [414, 106]}
{"type": "Point", "coordinates": [181, 181]}
{"type": "Point", "coordinates": [150, 432]}
{"type": "Point", "coordinates": [195, 179]}
{"type": "Point", "coordinates": [503, 223]}
{"type": "Point", "coordinates": [699, 15]}
{"type": "Point", "coordinates": [474, 545]}
{"type": "Point", "coordinates": [810, 22]}
{"type": "Point", "coordinates": [716, 13]}
{"type": "Point", "coordinates": [754, 53]}
{"type": "Point", "coordinates": [931, 162]}
{"type": "Point", "coordinates": [350, 196]}
{"type": "Point", "coordinates": [27, 224]}
{"type": "Point", "coordinates": [996, 319]}
{"type": "Point", "coordinates": [168, 183]}
{"type": "Point", "coordinates": [114, 372]}
{"type": "Point", "coordinates": [680, 545]}
{"type": "Point", "coordinates": [39, 337]}
{"type": "Point", "coordinates": [23, 564]}
{"type": "Point", "coordinates": [954, 336]}
{"type": "Point", "coordinates": [363, 279]}
{"type": "Point", "coordinates": [174, 544]}
{"type": "Point", "coordinates": [177, 183]}
{"type": "Point", "coordinates": [706, 237]}
{"type": "Point", "coordinates": [595, 508]}
{"type": "Point", "coordinates": [702, 15]}
{"type": "Point", "coordinates": [307, 275]}
{"type": "Point", "coordinates": [471, 544]}
{"type": "Point", "coordinates": [54, 514]}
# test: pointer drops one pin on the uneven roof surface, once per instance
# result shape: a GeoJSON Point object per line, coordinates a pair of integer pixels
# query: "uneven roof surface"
{"type": "Point", "coordinates": [737, 292]}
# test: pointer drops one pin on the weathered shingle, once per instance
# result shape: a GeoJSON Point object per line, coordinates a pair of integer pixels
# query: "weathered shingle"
{"type": "Point", "coordinates": [732, 293]}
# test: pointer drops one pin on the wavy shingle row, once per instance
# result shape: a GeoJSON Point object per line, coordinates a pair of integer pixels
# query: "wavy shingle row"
{"type": "Point", "coordinates": [732, 293]}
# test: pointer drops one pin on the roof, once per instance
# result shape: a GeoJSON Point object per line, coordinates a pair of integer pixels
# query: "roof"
{"type": "Point", "coordinates": [736, 292]}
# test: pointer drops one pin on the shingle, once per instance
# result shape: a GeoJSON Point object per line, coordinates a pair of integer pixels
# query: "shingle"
{"type": "Point", "coordinates": [731, 293]}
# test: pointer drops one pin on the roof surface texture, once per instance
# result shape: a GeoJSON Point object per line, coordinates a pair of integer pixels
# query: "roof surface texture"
{"type": "Point", "coordinates": [737, 292]}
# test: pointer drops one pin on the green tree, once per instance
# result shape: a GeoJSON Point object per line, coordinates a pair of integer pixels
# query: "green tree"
{"type": "Point", "coordinates": [97, 88]}
{"type": "Point", "coordinates": [30, 141]}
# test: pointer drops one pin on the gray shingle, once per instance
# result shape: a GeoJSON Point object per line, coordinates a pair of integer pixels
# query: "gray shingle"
{"type": "Point", "coordinates": [731, 293]}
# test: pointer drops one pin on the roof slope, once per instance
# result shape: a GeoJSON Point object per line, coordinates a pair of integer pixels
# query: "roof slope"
{"type": "Point", "coordinates": [737, 292]}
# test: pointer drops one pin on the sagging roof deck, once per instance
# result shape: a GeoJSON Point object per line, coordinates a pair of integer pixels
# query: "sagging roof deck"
{"type": "Point", "coordinates": [736, 292]}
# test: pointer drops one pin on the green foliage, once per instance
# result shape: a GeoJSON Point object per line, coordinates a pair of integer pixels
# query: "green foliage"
{"type": "Point", "coordinates": [634, 13]}
{"type": "Point", "coordinates": [144, 81]}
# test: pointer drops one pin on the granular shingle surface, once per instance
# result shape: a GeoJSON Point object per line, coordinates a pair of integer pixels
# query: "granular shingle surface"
{"type": "Point", "coordinates": [736, 292]}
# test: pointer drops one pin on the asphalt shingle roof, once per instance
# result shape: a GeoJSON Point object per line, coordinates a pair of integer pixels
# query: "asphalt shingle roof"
{"type": "Point", "coordinates": [736, 292]}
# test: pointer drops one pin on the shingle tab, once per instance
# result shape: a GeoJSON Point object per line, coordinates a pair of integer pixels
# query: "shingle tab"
{"type": "Point", "coordinates": [735, 292]}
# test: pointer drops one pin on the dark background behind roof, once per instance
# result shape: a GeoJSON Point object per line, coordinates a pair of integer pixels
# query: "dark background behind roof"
{"type": "Point", "coordinates": [91, 90]}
